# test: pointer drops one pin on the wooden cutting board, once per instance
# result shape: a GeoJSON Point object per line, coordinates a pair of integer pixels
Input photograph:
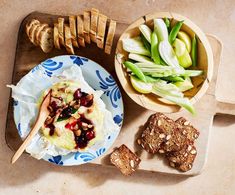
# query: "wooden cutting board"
{"type": "Point", "coordinates": [27, 56]}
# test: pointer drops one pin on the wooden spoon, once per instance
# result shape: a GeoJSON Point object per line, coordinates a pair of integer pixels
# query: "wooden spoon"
{"type": "Point", "coordinates": [43, 114]}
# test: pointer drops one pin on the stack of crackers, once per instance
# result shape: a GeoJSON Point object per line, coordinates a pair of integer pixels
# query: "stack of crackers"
{"type": "Point", "coordinates": [174, 139]}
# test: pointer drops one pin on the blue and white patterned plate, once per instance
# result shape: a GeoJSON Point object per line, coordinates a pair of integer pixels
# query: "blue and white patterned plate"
{"type": "Point", "coordinates": [98, 78]}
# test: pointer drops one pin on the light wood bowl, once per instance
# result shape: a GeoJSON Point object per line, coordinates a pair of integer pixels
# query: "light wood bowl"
{"type": "Point", "coordinates": [205, 63]}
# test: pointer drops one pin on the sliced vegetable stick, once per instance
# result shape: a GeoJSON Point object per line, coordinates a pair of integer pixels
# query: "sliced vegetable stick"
{"type": "Point", "coordinates": [68, 40]}
{"type": "Point", "coordinates": [110, 36]}
{"type": "Point", "coordinates": [87, 24]}
{"type": "Point", "coordinates": [94, 22]}
{"type": "Point", "coordinates": [56, 37]}
{"type": "Point", "coordinates": [80, 31]}
{"type": "Point", "coordinates": [61, 30]}
{"type": "Point", "coordinates": [72, 25]}
{"type": "Point", "coordinates": [101, 30]}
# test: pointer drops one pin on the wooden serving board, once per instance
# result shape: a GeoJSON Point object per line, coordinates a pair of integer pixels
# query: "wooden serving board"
{"type": "Point", "coordinates": [27, 56]}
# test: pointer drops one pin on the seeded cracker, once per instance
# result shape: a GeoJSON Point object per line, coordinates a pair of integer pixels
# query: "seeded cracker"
{"type": "Point", "coordinates": [183, 159]}
{"type": "Point", "coordinates": [125, 160]}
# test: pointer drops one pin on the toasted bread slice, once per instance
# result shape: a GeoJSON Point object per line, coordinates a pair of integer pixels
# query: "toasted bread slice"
{"type": "Point", "coordinates": [56, 36]}
{"type": "Point", "coordinates": [32, 33]}
{"type": "Point", "coordinates": [61, 30]}
{"type": "Point", "coordinates": [72, 25]}
{"type": "Point", "coordinates": [80, 31]}
{"type": "Point", "coordinates": [46, 39]}
{"type": "Point", "coordinates": [37, 32]}
{"type": "Point", "coordinates": [101, 31]}
{"type": "Point", "coordinates": [87, 24]}
{"type": "Point", "coordinates": [30, 24]}
{"type": "Point", "coordinates": [125, 160]}
{"type": "Point", "coordinates": [68, 40]}
{"type": "Point", "coordinates": [110, 36]}
{"type": "Point", "coordinates": [94, 23]}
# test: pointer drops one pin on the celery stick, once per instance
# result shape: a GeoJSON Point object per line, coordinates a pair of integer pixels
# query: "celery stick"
{"type": "Point", "coordinates": [146, 43]}
{"type": "Point", "coordinates": [181, 101]}
{"type": "Point", "coordinates": [154, 48]}
{"type": "Point", "coordinates": [192, 73]}
{"type": "Point", "coordinates": [139, 58]}
{"type": "Point", "coordinates": [173, 78]}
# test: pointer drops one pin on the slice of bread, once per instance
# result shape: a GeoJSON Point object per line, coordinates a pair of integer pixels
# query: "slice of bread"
{"type": "Point", "coordinates": [68, 40]}
{"type": "Point", "coordinates": [46, 39]}
{"type": "Point", "coordinates": [32, 33]}
{"type": "Point", "coordinates": [30, 24]}
{"type": "Point", "coordinates": [110, 36]}
{"type": "Point", "coordinates": [80, 31]}
{"type": "Point", "coordinates": [72, 25]}
{"type": "Point", "coordinates": [61, 30]}
{"type": "Point", "coordinates": [94, 23]}
{"type": "Point", "coordinates": [37, 32]}
{"type": "Point", "coordinates": [56, 36]}
{"type": "Point", "coordinates": [87, 24]}
{"type": "Point", "coordinates": [101, 31]}
{"type": "Point", "coordinates": [125, 160]}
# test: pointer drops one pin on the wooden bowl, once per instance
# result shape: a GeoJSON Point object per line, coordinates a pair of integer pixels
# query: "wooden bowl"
{"type": "Point", "coordinates": [205, 63]}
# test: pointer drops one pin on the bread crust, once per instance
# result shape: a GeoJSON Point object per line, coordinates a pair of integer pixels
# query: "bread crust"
{"type": "Point", "coordinates": [32, 33]}
{"type": "Point", "coordinates": [94, 23]}
{"type": "Point", "coordinates": [56, 37]}
{"type": "Point", "coordinates": [87, 24]}
{"type": "Point", "coordinates": [29, 25]}
{"type": "Point", "coordinates": [46, 39]}
{"type": "Point", "coordinates": [37, 32]}
{"type": "Point", "coordinates": [72, 25]}
{"type": "Point", "coordinates": [110, 36]}
{"type": "Point", "coordinates": [80, 31]}
{"type": "Point", "coordinates": [68, 40]}
{"type": "Point", "coordinates": [61, 31]}
{"type": "Point", "coordinates": [101, 31]}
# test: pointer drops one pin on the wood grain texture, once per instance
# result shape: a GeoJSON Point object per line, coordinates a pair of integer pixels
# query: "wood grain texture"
{"type": "Point", "coordinates": [27, 56]}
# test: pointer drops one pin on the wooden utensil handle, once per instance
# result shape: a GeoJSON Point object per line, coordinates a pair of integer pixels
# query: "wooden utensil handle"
{"type": "Point", "coordinates": [225, 108]}
{"type": "Point", "coordinates": [26, 141]}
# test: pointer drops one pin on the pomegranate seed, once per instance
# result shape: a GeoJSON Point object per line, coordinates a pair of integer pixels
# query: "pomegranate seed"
{"type": "Point", "coordinates": [90, 135]}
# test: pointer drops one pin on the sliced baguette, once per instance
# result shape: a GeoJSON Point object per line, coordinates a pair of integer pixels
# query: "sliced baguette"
{"type": "Point", "coordinates": [80, 31]}
{"type": "Point", "coordinates": [94, 22]}
{"type": "Point", "coordinates": [68, 40]}
{"type": "Point", "coordinates": [32, 33]}
{"type": "Point", "coordinates": [110, 36]}
{"type": "Point", "coordinates": [87, 23]}
{"type": "Point", "coordinates": [61, 30]}
{"type": "Point", "coordinates": [101, 31]}
{"type": "Point", "coordinates": [37, 32]}
{"type": "Point", "coordinates": [72, 25]}
{"type": "Point", "coordinates": [56, 36]}
{"type": "Point", "coordinates": [30, 24]}
{"type": "Point", "coordinates": [46, 39]}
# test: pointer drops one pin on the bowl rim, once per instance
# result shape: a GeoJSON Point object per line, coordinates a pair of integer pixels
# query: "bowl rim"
{"type": "Point", "coordinates": [140, 98]}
